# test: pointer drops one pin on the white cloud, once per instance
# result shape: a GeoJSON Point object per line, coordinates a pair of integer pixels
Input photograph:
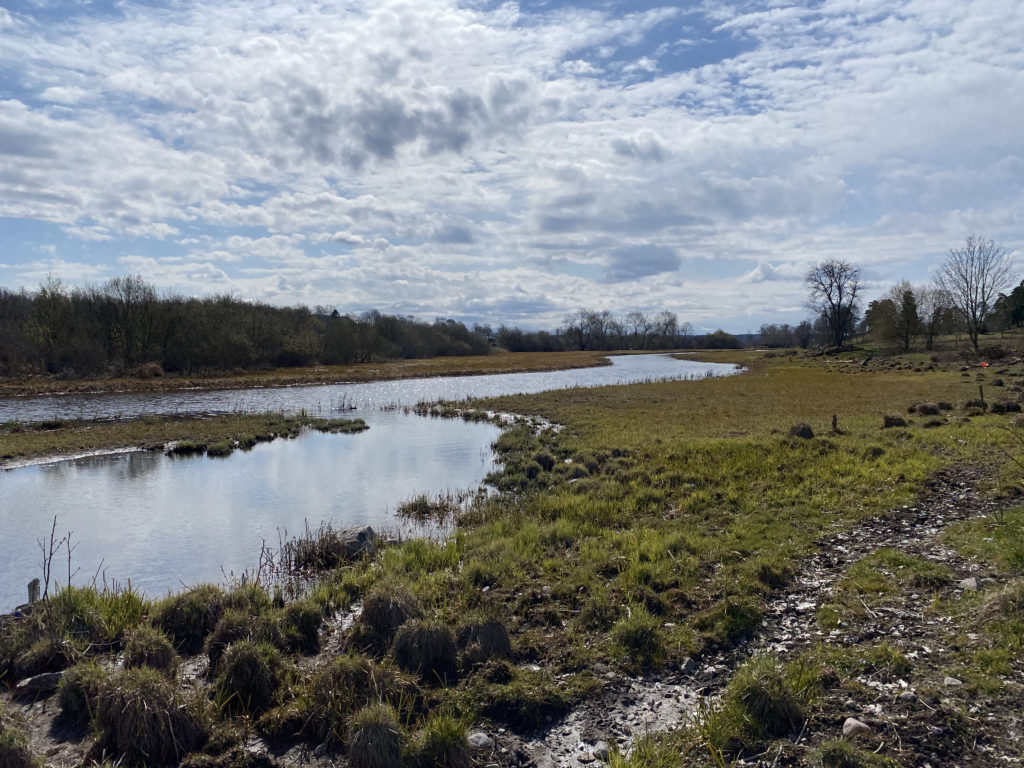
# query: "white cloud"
{"type": "Point", "coordinates": [430, 153]}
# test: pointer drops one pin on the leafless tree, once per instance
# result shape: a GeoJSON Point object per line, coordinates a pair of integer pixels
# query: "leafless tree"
{"type": "Point", "coordinates": [972, 278]}
{"type": "Point", "coordinates": [833, 286]}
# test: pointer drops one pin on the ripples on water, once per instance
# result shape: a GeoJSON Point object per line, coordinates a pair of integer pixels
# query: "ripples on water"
{"type": "Point", "coordinates": [165, 522]}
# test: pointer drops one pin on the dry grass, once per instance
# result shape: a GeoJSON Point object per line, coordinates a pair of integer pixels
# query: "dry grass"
{"type": "Point", "coordinates": [519, 362]}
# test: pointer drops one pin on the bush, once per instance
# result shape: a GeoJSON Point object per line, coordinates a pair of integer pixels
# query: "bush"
{"type": "Point", "coordinates": [187, 618]}
{"type": "Point", "coordinates": [249, 675]}
{"type": "Point", "coordinates": [143, 719]}
{"type": "Point", "coordinates": [427, 649]}
{"type": "Point", "coordinates": [482, 640]}
{"type": "Point", "coordinates": [442, 744]}
{"type": "Point", "coordinates": [147, 646]}
{"type": "Point", "coordinates": [79, 691]}
{"type": "Point", "coordinates": [384, 611]}
{"type": "Point", "coordinates": [375, 741]}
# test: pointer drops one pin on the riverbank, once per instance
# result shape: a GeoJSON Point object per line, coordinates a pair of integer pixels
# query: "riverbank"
{"type": "Point", "coordinates": [618, 583]}
{"type": "Point", "coordinates": [497, 363]}
{"type": "Point", "coordinates": [64, 438]}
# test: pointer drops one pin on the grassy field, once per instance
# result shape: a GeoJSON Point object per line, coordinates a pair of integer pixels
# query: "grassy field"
{"type": "Point", "coordinates": [655, 527]}
{"type": "Point", "coordinates": [499, 362]}
{"type": "Point", "coordinates": [218, 435]}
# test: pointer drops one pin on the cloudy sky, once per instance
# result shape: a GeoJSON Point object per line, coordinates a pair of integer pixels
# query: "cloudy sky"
{"type": "Point", "coordinates": [503, 162]}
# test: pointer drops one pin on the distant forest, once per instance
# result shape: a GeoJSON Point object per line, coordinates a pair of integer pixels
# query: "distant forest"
{"type": "Point", "coordinates": [124, 327]}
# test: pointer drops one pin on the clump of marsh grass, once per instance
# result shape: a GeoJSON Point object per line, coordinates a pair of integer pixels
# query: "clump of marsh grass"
{"type": "Point", "coordinates": [638, 634]}
{"type": "Point", "coordinates": [761, 702]}
{"type": "Point", "coordinates": [144, 720]}
{"type": "Point", "coordinates": [300, 623]}
{"type": "Point", "coordinates": [384, 611]}
{"type": "Point", "coordinates": [442, 509]}
{"type": "Point", "coordinates": [442, 743]}
{"type": "Point", "coordinates": [376, 739]}
{"type": "Point", "coordinates": [249, 675]}
{"type": "Point", "coordinates": [188, 617]}
{"type": "Point", "coordinates": [238, 624]}
{"type": "Point", "coordinates": [482, 639]}
{"type": "Point", "coordinates": [324, 548]}
{"type": "Point", "coordinates": [426, 648]}
{"type": "Point", "coordinates": [79, 691]}
{"type": "Point", "coordinates": [801, 430]}
{"type": "Point", "coordinates": [14, 741]}
{"type": "Point", "coordinates": [893, 420]}
{"type": "Point", "coordinates": [147, 646]}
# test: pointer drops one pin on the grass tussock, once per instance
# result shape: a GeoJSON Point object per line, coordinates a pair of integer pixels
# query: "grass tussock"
{"type": "Point", "coordinates": [147, 646]}
{"type": "Point", "coordinates": [144, 720]}
{"type": "Point", "coordinates": [384, 611]}
{"type": "Point", "coordinates": [14, 741]}
{"type": "Point", "coordinates": [79, 692]}
{"type": "Point", "coordinates": [188, 617]}
{"type": "Point", "coordinates": [441, 743]}
{"type": "Point", "coordinates": [376, 738]}
{"type": "Point", "coordinates": [248, 676]}
{"type": "Point", "coordinates": [426, 648]}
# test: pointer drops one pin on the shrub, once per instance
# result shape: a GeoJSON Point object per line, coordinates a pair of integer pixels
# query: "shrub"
{"type": "Point", "coordinates": [482, 640]}
{"type": "Point", "coordinates": [143, 719]}
{"type": "Point", "coordinates": [151, 371]}
{"type": "Point", "coordinates": [442, 743]}
{"type": "Point", "coordinates": [146, 646]}
{"type": "Point", "coordinates": [79, 691]}
{"type": "Point", "coordinates": [249, 675]}
{"type": "Point", "coordinates": [384, 611]}
{"type": "Point", "coordinates": [427, 649]}
{"type": "Point", "coordinates": [187, 618]}
{"type": "Point", "coordinates": [375, 741]}
{"type": "Point", "coordinates": [14, 741]}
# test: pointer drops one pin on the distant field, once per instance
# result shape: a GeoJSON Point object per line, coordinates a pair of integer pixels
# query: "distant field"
{"type": "Point", "coordinates": [519, 362]}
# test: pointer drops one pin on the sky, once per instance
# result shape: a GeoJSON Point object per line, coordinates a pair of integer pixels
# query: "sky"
{"type": "Point", "coordinates": [507, 163]}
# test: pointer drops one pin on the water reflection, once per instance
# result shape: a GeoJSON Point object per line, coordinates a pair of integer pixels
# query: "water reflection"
{"type": "Point", "coordinates": [165, 522]}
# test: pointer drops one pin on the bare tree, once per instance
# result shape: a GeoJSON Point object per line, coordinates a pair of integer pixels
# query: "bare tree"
{"type": "Point", "coordinates": [833, 286]}
{"type": "Point", "coordinates": [972, 278]}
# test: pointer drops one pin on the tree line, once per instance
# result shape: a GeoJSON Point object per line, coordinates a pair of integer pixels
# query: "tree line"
{"type": "Point", "coordinates": [967, 296]}
{"type": "Point", "coordinates": [124, 326]}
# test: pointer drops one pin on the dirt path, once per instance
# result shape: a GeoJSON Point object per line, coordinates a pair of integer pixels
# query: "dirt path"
{"type": "Point", "coordinates": [920, 731]}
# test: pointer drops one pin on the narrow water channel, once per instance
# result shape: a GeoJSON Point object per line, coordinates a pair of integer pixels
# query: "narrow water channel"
{"type": "Point", "coordinates": [166, 522]}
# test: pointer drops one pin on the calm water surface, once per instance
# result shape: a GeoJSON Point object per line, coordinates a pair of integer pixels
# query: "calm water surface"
{"type": "Point", "coordinates": [163, 522]}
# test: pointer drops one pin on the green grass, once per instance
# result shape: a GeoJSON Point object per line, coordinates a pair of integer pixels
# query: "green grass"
{"type": "Point", "coordinates": [185, 435]}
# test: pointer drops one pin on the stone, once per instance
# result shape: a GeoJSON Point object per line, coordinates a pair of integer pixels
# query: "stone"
{"type": "Point", "coordinates": [601, 750]}
{"type": "Point", "coordinates": [854, 727]}
{"type": "Point", "coordinates": [970, 584]}
{"type": "Point", "coordinates": [908, 696]}
{"type": "Point", "coordinates": [358, 541]}
{"type": "Point", "coordinates": [952, 682]}
{"type": "Point", "coordinates": [478, 740]}
{"type": "Point", "coordinates": [37, 685]}
{"type": "Point", "coordinates": [688, 666]}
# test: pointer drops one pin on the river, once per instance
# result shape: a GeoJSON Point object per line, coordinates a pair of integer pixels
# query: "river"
{"type": "Point", "coordinates": [164, 522]}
